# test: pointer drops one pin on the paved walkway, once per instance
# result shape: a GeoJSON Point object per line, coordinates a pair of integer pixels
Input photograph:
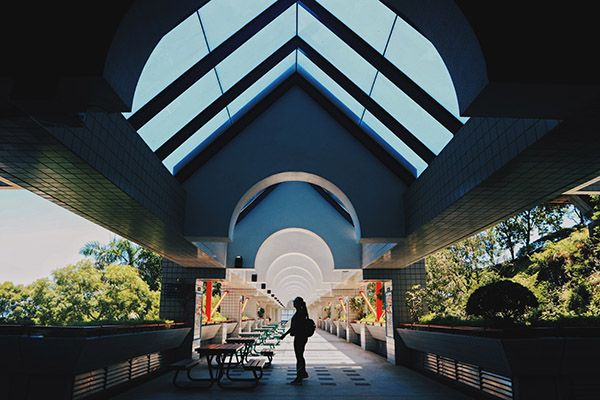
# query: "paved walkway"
{"type": "Point", "coordinates": [337, 370]}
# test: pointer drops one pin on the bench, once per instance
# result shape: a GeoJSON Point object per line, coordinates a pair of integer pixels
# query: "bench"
{"type": "Point", "coordinates": [271, 343]}
{"type": "Point", "coordinates": [255, 366]}
{"type": "Point", "coordinates": [185, 365]}
{"type": "Point", "coordinates": [269, 354]}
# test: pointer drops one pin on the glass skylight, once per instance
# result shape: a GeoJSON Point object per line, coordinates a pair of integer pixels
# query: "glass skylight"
{"type": "Point", "coordinates": [354, 110]}
{"type": "Point", "coordinates": [197, 139]}
{"type": "Point", "coordinates": [222, 18]}
{"type": "Point", "coordinates": [335, 50]}
{"type": "Point", "coordinates": [397, 147]}
{"type": "Point", "coordinates": [217, 20]}
{"type": "Point", "coordinates": [181, 111]}
{"type": "Point", "coordinates": [176, 52]}
{"type": "Point", "coordinates": [370, 19]}
{"type": "Point", "coordinates": [257, 91]}
{"type": "Point", "coordinates": [314, 74]}
{"type": "Point", "coordinates": [426, 128]}
{"type": "Point", "coordinates": [210, 130]}
{"type": "Point", "coordinates": [416, 56]}
{"type": "Point", "coordinates": [258, 48]}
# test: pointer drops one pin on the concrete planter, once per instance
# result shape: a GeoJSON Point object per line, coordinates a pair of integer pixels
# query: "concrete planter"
{"type": "Point", "coordinates": [230, 327]}
{"type": "Point", "coordinates": [243, 325]}
{"type": "Point", "coordinates": [46, 363]}
{"type": "Point", "coordinates": [208, 332]}
{"type": "Point", "coordinates": [250, 325]}
{"type": "Point", "coordinates": [355, 327]}
{"type": "Point", "coordinates": [341, 329]}
{"type": "Point", "coordinates": [378, 332]}
{"type": "Point", "coordinates": [544, 366]}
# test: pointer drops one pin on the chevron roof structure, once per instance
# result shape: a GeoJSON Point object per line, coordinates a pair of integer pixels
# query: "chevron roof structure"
{"type": "Point", "coordinates": [220, 61]}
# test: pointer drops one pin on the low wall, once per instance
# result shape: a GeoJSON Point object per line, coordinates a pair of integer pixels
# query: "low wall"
{"type": "Point", "coordinates": [44, 363]}
{"type": "Point", "coordinates": [536, 366]}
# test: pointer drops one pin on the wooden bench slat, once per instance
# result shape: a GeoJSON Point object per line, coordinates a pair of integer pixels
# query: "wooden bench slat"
{"type": "Point", "coordinates": [255, 364]}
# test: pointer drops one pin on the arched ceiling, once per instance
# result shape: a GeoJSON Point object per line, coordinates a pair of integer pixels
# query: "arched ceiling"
{"type": "Point", "coordinates": [296, 262]}
{"type": "Point", "coordinates": [217, 63]}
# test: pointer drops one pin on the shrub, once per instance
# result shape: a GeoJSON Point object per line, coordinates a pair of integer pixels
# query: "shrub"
{"type": "Point", "coordinates": [357, 305]}
{"type": "Point", "coordinates": [501, 300]}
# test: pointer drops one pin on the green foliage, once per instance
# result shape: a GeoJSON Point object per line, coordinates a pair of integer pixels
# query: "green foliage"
{"type": "Point", "coordinates": [357, 306]}
{"type": "Point", "coordinates": [80, 293]}
{"type": "Point", "coordinates": [123, 252]}
{"type": "Point", "coordinates": [260, 312]}
{"type": "Point", "coordinates": [327, 311]}
{"type": "Point", "coordinates": [561, 268]}
{"type": "Point", "coordinates": [215, 298]}
{"type": "Point", "coordinates": [414, 302]}
{"type": "Point", "coordinates": [517, 231]}
{"type": "Point", "coordinates": [217, 318]}
{"type": "Point", "coordinates": [452, 274]}
{"type": "Point", "coordinates": [370, 318]}
{"type": "Point", "coordinates": [339, 312]}
{"type": "Point", "coordinates": [501, 300]}
{"type": "Point", "coordinates": [433, 319]}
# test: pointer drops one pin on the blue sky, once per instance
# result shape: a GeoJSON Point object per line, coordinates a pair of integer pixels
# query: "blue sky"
{"type": "Point", "coordinates": [37, 236]}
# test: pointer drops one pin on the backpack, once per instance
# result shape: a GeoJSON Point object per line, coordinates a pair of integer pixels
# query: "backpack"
{"type": "Point", "coordinates": [309, 327]}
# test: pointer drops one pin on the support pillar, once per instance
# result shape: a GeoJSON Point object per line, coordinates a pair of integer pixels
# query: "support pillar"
{"type": "Point", "coordinates": [178, 299]}
{"type": "Point", "coordinates": [402, 280]}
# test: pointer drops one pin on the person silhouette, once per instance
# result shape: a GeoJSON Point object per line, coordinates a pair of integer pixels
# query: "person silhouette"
{"type": "Point", "coordinates": [298, 331]}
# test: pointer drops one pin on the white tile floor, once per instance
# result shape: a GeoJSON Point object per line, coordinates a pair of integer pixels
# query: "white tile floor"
{"type": "Point", "coordinates": [338, 370]}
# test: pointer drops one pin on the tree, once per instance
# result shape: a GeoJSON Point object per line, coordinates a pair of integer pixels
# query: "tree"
{"type": "Point", "coordinates": [518, 230]}
{"type": "Point", "coordinates": [453, 273]}
{"type": "Point", "coordinates": [126, 296]}
{"type": "Point", "coordinates": [79, 288]}
{"type": "Point", "coordinates": [80, 293]}
{"type": "Point", "coordinates": [504, 300]}
{"type": "Point", "coordinates": [124, 252]}
{"type": "Point", "coordinates": [12, 303]}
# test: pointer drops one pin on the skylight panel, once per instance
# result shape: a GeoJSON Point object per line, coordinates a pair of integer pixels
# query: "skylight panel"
{"type": "Point", "coordinates": [339, 96]}
{"type": "Point", "coordinates": [176, 52]}
{"type": "Point", "coordinates": [222, 18]}
{"type": "Point", "coordinates": [181, 111]}
{"type": "Point", "coordinates": [335, 50]}
{"type": "Point", "coordinates": [255, 92]}
{"type": "Point", "coordinates": [394, 145]}
{"type": "Point", "coordinates": [420, 123]}
{"type": "Point", "coordinates": [211, 129]}
{"type": "Point", "coordinates": [372, 125]}
{"type": "Point", "coordinates": [416, 56]}
{"type": "Point", "coordinates": [258, 48]}
{"type": "Point", "coordinates": [370, 19]}
{"type": "Point", "coordinates": [196, 142]}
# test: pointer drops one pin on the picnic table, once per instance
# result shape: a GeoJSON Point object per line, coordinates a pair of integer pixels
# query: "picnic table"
{"type": "Point", "coordinates": [248, 349]}
{"type": "Point", "coordinates": [219, 353]}
{"type": "Point", "coordinates": [251, 334]}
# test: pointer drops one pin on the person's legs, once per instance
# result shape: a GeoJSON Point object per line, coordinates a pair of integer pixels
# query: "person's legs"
{"type": "Point", "coordinates": [299, 345]}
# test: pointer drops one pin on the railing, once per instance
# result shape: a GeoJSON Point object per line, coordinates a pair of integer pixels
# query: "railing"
{"type": "Point", "coordinates": [468, 374]}
{"type": "Point", "coordinates": [99, 380]}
